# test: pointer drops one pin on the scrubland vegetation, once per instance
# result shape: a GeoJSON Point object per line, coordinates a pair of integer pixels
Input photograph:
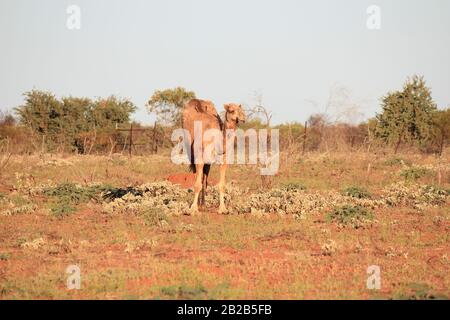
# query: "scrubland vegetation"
{"type": "Point", "coordinates": [313, 234]}
{"type": "Point", "coordinates": [346, 197]}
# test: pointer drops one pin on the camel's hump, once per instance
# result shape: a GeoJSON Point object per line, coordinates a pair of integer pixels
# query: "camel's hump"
{"type": "Point", "coordinates": [202, 106]}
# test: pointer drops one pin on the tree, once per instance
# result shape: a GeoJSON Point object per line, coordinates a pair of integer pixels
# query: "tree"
{"type": "Point", "coordinates": [441, 131]}
{"type": "Point", "coordinates": [317, 124]}
{"type": "Point", "coordinates": [103, 116]}
{"type": "Point", "coordinates": [7, 119]}
{"type": "Point", "coordinates": [71, 120]}
{"type": "Point", "coordinates": [74, 119]}
{"type": "Point", "coordinates": [106, 113]}
{"type": "Point", "coordinates": [41, 112]}
{"type": "Point", "coordinates": [407, 115]}
{"type": "Point", "coordinates": [168, 104]}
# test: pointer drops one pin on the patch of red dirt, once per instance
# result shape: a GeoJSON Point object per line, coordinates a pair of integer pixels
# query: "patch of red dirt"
{"type": "Point", "coordinates": [5, 188]}
{"type": "Point", "coordinates": [186, 180]}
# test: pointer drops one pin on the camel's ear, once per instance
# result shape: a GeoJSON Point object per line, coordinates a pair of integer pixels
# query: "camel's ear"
{"type": "Point", "coordinates": [226, 107]}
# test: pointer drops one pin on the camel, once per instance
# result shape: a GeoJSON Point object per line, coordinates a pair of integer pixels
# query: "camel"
{"type": "Point", "coordinates": [205, 112]}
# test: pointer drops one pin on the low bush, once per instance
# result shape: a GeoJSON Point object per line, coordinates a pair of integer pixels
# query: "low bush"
{"type": "Point", "coordinates": [16, 204]}
{"type": "Point", "coordinates": [75, 193]}
{"type": "Point", "coordinates": [397, 162]}
{"type": "Point", "coordinates": [291, 186]}
{"type": "Point", "coordinates": [62, 207]}
{"type": "Point", "coordinates": [354, 216]}
{"type": "Point", "coordinates": [356, 192]}
{"type": "Point", "coordinates": [66, 196]}
{"type": "Point", "coordinates": [414, 173]}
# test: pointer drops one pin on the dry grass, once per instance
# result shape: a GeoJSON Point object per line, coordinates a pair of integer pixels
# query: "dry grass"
{"type": "Point", "coordinates": [145, 246]}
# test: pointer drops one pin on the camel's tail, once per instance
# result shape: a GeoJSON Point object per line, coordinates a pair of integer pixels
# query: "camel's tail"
{"type": "Point", "coordinates": [192, 165]}
{"type": "Point", "coordinates": [206, 168]}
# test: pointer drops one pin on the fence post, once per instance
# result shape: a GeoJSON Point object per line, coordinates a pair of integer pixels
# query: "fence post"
{"type": "Point", "coordinates": [304, 137]}
{"type": "Point", "coordinates": [154, 140]}
{"type": "Point", "coordinates": [131, 140]}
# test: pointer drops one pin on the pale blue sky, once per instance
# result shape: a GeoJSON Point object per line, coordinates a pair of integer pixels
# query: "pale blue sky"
{"type": "Point", "coordinates": [290, 51]}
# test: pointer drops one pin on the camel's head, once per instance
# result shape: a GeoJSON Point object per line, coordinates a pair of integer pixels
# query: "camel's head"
{"type": "Point", "coordinates": [234, 113]}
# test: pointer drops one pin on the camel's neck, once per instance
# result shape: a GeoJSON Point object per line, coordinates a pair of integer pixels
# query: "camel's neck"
{"type": "Point", "coordinates": [229, 124]}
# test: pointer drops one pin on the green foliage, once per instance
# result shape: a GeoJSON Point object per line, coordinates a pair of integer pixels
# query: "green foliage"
{"type": "Point", "coordinates": [441, 132]}
{"type": "Point", "coordinates": [42, 112]}
{"type": "Point", "coordinates": [68, 121]}
{"type": "Point", "coordinates": [106, 113]}
{"type": "Point", "coordinates": [185, 292]}
{"type": "Point", "coordinates": [356, 192]}
{"type": "Point", "coordinates": [62, 207]}
{"type": "Point", "coordinates": [414, 173]}
{"type": "Point", "coordinates": [292, 186]}
{"type": "Point", "coordinates": [420, 291]}
{"type": "Point", "coordinates": [168, 104]}
{"type": "Point", "coordinates": [112, 194]}
{"type": "Point", "coordinates": [5, 256]}
{"type": "Point", "coordinates": [67, 196]}
{"type": "Point", "coordinates": [153, 216]}
{"type": "Point", "coordinates": [74, 193]}
{"type": "Point", "coordinates": [349, 215]}
{"type": "Point", "coordinates": [407, 115]}
{"type": "Point", "coordinates": [396, 162]}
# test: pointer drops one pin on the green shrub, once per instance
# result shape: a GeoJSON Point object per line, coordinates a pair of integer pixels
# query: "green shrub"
{"type": "Point", "coordinates": [396, 162]}
{"type": "Point", "coordinates": [356, 192]}
{"type": "Point", "coordinates": [291, 186]}
{"type": "Point", "coordinates": [61, 208]}
{"type": "Point", "coordinates": [67, 196]}
{"type": "Point", "coordinates": [153, 216]}
{"type": "Point", "coordinates": [419, 291]}
{"type": "Point", "coordinates": [354, 216]}
{"type": "Point", "coordinates": [4, 256]}
{"type": "Point", "coordinates": [184, 292]}
{"type": "Point", "coordinates": [414, 173]}
{"type": "Point", "coordinates": [112, 194]}
{"type": "Point", "coordinates": [75, 193]}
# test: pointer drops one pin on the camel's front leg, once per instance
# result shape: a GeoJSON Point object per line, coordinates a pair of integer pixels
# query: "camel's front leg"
{"type": "Point", "coordinates": [223, 169]}
{"type": "Point", "coordinates": [197, 186]}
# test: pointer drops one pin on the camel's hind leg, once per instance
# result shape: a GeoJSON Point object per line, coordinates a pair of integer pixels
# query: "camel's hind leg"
{"type": "Point", "coordinates": [223, 170]}
{"type": "Point", "coordinates": [206, 169]}
{"type": "Point", "coordinates": [197, 186]}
